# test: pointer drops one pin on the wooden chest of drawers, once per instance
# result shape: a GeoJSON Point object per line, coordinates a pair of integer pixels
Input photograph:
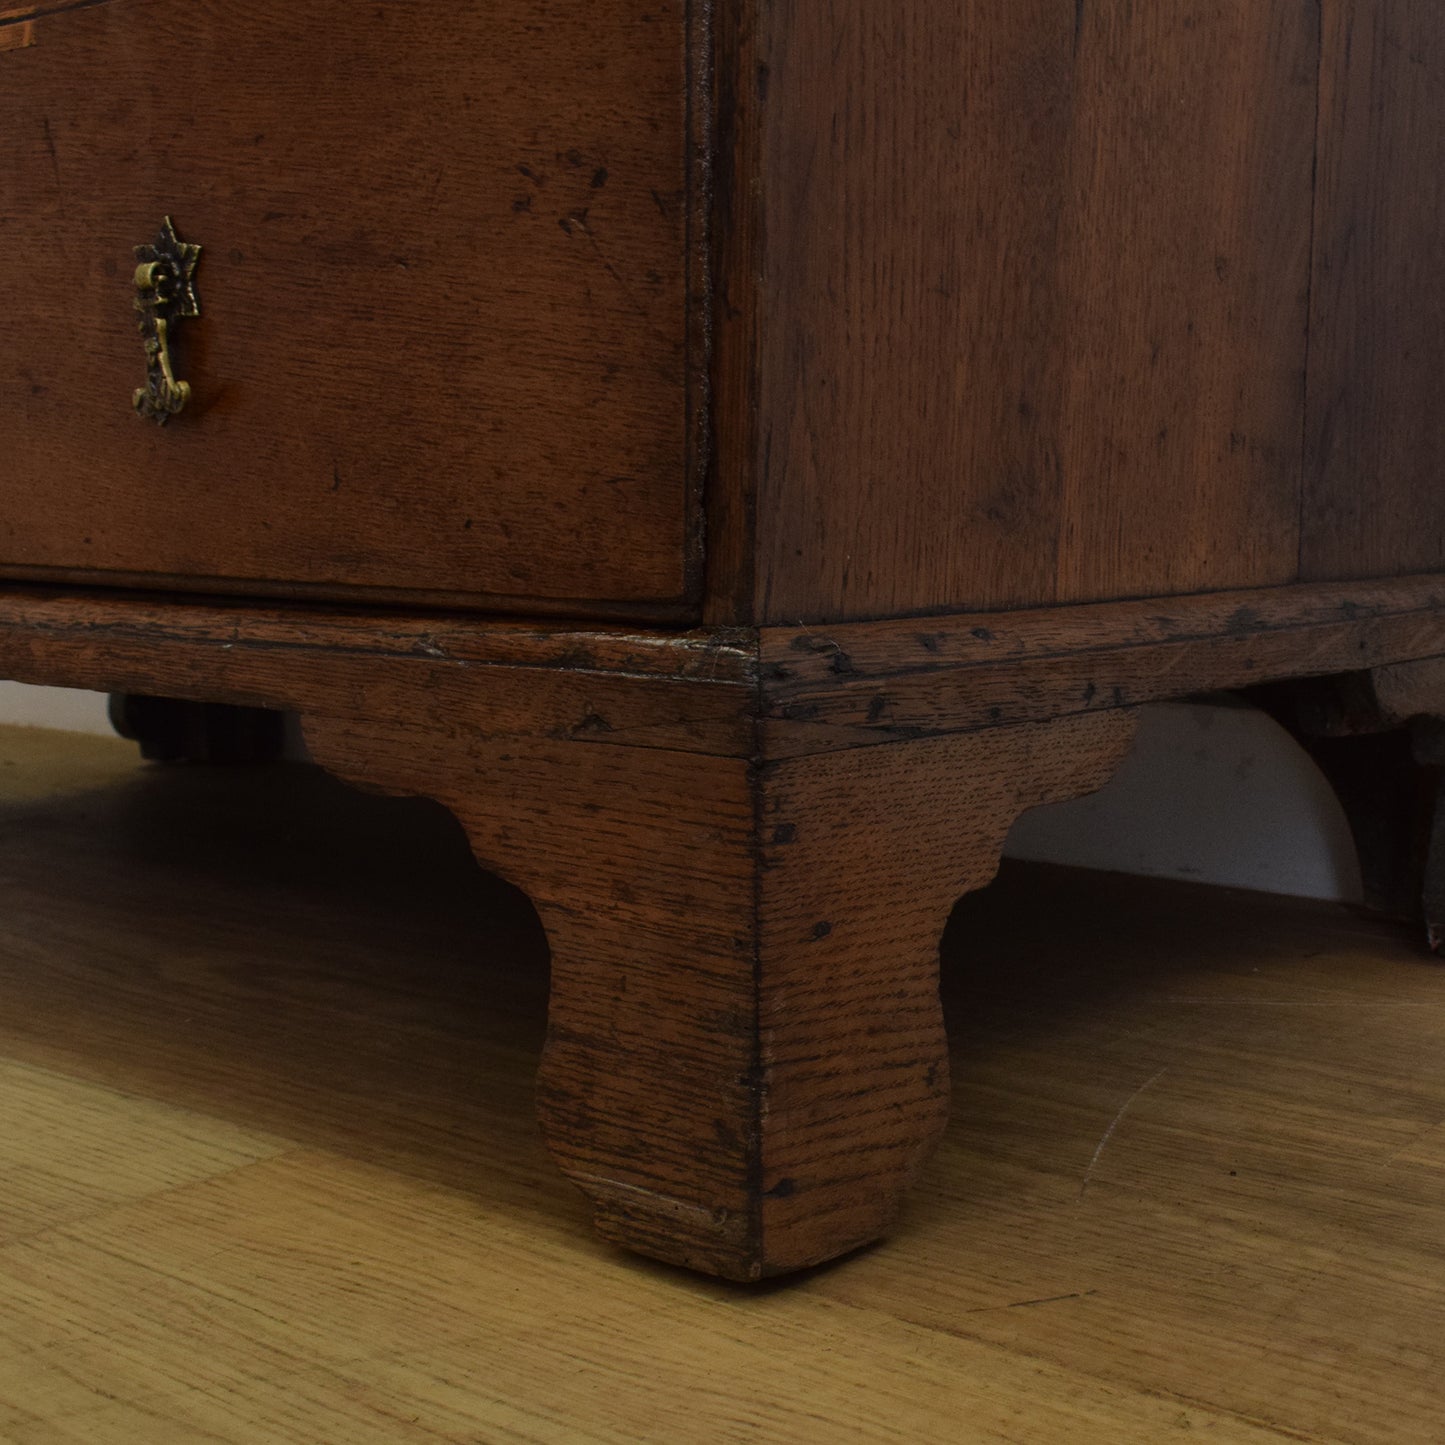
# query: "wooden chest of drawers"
{"type": "Point", "coordinates": [738, 457]}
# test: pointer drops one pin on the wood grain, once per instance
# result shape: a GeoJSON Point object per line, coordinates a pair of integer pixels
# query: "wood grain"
{"type": "Point", "coordinates": [842, 686]}
{"type": "Point", "coordinates": [721, 655]}
{"type": "Point", "coordinates": [745, 1065]}
{"type": "Point", "coordinates": [691, 692]}
{"type": "Point", "coordinates": [1185, 274]}
{"type": "Point", "coordinates": [1240, 619]}
{"type": "Point", "coordinates": [1376, 434]}
{"type": "Point", "coordinates": [726, 692]}
{"type": "Point", "coordinates": [863, 858]}
{"type": "Point", "coordinates": [446, 330]}
{"type": "Point", "coordinates": [647, 1085]}
{"type": "Point", "coordinates": [739, 91]}
{"type": "Point", "coordinates": [280, 1181]}
{"type": "Point", "coordinates": [1031, 300]}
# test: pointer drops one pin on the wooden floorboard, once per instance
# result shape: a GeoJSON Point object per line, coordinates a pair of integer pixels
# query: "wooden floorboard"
{"type": "Point", "coordinates": [268, 1170]}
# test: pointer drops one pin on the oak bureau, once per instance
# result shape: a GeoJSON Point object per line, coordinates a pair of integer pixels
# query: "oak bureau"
{"type": "Point", "coordinates": [738, 455]}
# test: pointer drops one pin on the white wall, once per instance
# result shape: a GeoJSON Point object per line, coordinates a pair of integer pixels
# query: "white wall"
{"type": "Point", "coordinates": [53, 707]}
{"type": "Point", "coordinates": [1211, 793]}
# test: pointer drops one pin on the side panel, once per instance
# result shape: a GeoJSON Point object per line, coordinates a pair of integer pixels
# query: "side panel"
{"type": "Point", "coordinates": [1375, 460]}
{"type": "Point", "coordinates": [1032, 300]}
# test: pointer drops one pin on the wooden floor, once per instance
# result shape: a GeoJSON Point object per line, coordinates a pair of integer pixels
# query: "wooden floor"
{"type": "Point", "coordinates": [268, 1171]}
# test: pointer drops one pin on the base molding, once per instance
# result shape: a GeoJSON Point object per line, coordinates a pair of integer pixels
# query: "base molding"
{"type": "Point", "coordinates": [744, 846]}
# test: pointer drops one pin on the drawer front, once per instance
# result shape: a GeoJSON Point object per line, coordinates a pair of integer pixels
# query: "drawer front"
{"type": "Point", "coordinates": [444, 292]}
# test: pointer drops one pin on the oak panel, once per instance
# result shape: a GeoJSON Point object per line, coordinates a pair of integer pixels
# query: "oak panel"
{"type": "Point", "coordinates": [1185, 277]}
{"type": "Point", "coordinates": [1032, 301]}
{"type": "Point", "coordinates": [1376, 435]}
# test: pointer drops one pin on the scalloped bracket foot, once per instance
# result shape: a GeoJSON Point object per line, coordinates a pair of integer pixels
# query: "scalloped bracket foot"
{"type": "Point", "coordinates": [746, 1064]}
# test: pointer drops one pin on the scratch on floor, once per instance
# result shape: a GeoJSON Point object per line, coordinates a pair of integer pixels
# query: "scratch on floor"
{"type": "Point", "coordinates": [1406, 1148]}
{"type": "Point", "coordinates": [1028, 1304]}
{"type": "Point", "coordinates": [1118, 1119]}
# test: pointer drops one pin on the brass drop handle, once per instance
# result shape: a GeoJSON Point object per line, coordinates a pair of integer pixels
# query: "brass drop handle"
{"type": "Point", "coordinates": [165, 291]}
